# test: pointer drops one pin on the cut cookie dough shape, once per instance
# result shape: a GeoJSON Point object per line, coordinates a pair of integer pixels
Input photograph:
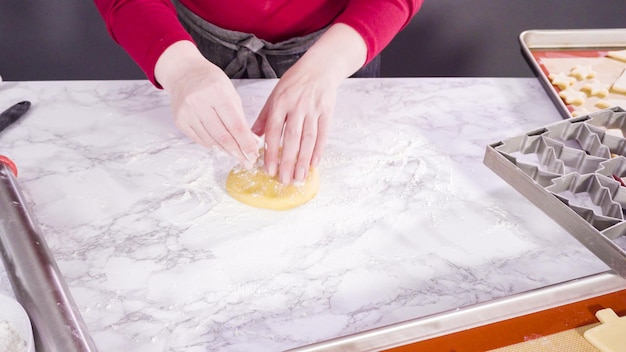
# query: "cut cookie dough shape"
{"type": "Point", "coordinates": [582, 72]}
{"type": "Point", "coordinates": [561, 80]}
{"type": "Point", "coordinates": [620, 84]}
{"type": "Point", "coordinates": [617, 54]}
{"type": "Point", "coordinates": [580, 112]}
{"type": "Point", "coordinates": [596, 88]}
{"type": "Point", "coordinates": [609, 103]}
{"type": "Point", "coordinates": [608, 336]}
{"type": "Point", "coordinates": [256, 188]}
{"type": "Point", "coordinates": [573, 96]}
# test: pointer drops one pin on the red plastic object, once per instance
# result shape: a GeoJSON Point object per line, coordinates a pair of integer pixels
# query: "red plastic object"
{"type": "Point", "coordinates": [619, 179]}
{"type": "Point", "coordinates": [8, 162]}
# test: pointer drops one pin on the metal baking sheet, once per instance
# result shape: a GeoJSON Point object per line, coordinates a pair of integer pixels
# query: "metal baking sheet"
{"type": "Point", "coordinates": [575, 172]}
{"type": "Point", "coordinates": [558, 51]}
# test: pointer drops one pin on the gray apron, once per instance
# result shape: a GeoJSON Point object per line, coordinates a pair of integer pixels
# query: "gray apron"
{"type": "Point", "coordinates": [243, 55]}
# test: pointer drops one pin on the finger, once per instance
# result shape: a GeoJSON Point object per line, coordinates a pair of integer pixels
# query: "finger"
{"type": "Point", "coordinates": [212, 127]}
{"type": "Point", "coordinates": [208, 130]}
{"type": "Point", "coordinates": [246, 145]}
{"type": "Point", "coordinates": [273, 134]}
{"type": "Point", "coordinates": [322, 139]}
{"type": "Point", "coordinates": [258, 127]}
{"type": "Point", "coordinates": [232, 117]}
{"type": "Point", "coordinates": [191, 133]}
{"type": "Point", "coordinates": [291, 147]}
{"type": "Point", "coordinates": [307, 145]}
{"type": "Point", "coordinates": [185, 123]}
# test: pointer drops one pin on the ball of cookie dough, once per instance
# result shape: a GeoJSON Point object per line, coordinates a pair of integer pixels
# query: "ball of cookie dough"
{"type": "Point", "coordinates": [256, 188]}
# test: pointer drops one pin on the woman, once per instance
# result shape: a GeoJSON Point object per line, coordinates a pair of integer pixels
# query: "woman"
{"type": "Point", "coordinates": [191, 48]}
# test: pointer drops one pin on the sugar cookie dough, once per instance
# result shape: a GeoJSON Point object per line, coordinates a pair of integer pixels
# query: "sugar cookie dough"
{"type": "Point", "coordinates": [609, 103]}
{"type": "Point", "coordinates": [582, 72]}
{"type": "Point", "coordinates": [256, 188]}
{"type": "Point", "coordinates": [617, 54]}
{"type": "Point", "coordinates": [562, 80]}
{"type": "Point", "coordinates": [620, 84]}
{"type": "Point", "coordinates": [572, 96]}
{"type": "Point", "coordinates": [596, 88]}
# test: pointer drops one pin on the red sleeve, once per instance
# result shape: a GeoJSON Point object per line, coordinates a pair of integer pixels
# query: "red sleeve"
{"type": "Point", "coordinates": [144, 28]}
{"type": "Point", "coordinates": [378, 21]}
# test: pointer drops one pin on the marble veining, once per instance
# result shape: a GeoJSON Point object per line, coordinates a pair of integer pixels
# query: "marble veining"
{"type": "Point", "coordinates": [408, 221]}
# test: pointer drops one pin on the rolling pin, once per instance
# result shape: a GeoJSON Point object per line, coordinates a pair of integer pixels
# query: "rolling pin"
{"type": "Point", "coordinates": [34, 276]}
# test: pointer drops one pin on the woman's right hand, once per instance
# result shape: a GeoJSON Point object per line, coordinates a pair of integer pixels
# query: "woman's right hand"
{"type": "Point", "coordinates": [204, 102]}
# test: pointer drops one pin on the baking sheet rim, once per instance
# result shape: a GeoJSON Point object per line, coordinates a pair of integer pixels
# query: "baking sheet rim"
{"type": "Point", "coordinates": [616, 36]}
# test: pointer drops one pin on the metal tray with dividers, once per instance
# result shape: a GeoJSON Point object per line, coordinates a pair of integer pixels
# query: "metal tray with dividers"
{"type": "Point", "coordinates": [575, 172]}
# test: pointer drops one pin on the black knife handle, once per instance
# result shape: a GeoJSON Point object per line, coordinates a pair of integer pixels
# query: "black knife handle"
{"type": "Point", "coordinates": [13, 113]}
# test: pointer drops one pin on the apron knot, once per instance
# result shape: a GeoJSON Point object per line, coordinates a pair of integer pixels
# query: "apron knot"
{"type": "Point", "coordinates": [252, 43]}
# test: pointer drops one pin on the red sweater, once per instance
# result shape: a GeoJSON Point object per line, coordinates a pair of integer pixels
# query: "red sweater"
{"type": "Point", "coordinates": [145, 28]}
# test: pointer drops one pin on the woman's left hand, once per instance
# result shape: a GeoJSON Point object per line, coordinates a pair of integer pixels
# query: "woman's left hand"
{"type": "Point", "coordinates": [298, 111]}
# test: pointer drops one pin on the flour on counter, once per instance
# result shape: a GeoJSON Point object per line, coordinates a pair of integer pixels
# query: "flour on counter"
{"type": "Point", "coordinates": [10, 341]}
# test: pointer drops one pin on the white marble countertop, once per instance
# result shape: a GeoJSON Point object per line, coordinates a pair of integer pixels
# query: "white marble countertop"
{"type": "Point", "coordinates": [408, 221]}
